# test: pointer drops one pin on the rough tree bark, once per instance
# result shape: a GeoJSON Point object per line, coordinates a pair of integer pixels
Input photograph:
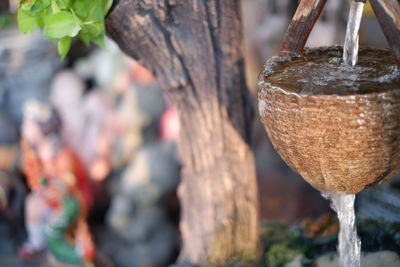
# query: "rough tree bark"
{"type": "Point", "coordinates": [194, 49]}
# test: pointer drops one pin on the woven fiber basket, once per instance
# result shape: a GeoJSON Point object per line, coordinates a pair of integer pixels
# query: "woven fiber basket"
{"type": "Point", "coordinates": [340, 143]}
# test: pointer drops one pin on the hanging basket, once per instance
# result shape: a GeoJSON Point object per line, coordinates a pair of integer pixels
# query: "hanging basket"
{"type": "Point", "coordinates": [338, 141]}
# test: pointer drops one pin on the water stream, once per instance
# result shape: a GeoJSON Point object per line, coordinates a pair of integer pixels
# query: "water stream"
{"type": "Point", "coordinates": [350, 47]}
{"type": "Point", "coordinates": [349, 247]}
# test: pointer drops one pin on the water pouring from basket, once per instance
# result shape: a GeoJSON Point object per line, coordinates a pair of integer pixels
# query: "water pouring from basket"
{"type": "Point", "coordinates": [337, 125]}
{"type": "Point", "coordinates": [345, 136]}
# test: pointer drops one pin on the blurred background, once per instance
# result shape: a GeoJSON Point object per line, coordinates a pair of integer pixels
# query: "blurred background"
{"type": "Point", "coordinates": [122, 126]}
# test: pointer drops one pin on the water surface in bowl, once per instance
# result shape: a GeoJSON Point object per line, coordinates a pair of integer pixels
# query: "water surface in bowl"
{"type": "Point", "coordinates": [321, 72]}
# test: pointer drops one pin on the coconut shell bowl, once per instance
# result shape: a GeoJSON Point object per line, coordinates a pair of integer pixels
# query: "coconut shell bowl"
{"type": "Point", "coordinates": [338, 126]}
{"type": "Point", "coordinates": [338, 139]}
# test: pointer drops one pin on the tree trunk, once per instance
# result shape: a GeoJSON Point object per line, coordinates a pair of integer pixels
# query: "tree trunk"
{"type": "Point", "coordinates": [194, 49]}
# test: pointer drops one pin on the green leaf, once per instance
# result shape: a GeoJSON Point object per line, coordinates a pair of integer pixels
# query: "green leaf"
{"type": "Point", "coordinates": [93, 27]}
{"type": "Point", "coordinates": [63, 46]}
{"type": "Point", "coordinates": [81, 8]}
{"type": "Point", "coordinates": [55, 7]}
{"type": "Point", "coordinates": [62, 24]}
{"type": "Point", "coordinates": [39, 6]}
{"type": "Point", "coordinates": [26, 22]}
{"type": "Point", "coordinates": [85, 37]}
{"type": "Point", "coordinates": [40, 23]}
{"type": "Point", "coordinates": [76, 18]}
{"type": "Point", "coordinates": [96, 11]}
{"type": "Point", "coordinates": [22, 2]}
{"type": "Point", "coordinates": [63, 4]}
{"type": "Point", "coordinates": [107, 6]}
{"type": "Point", "coordinates": [62, 20]}
{"type": "Point", "coordinates": [100, 41]}
{"type": "Point", "coordinates": [25, 5]}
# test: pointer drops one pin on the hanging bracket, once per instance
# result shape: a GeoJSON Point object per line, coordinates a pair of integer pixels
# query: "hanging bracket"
{"type": "Point", "coordinates": [387, 13]}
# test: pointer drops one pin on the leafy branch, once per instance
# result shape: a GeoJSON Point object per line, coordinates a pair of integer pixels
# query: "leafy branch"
{"type": "Point", "coordinates": [62, 20]}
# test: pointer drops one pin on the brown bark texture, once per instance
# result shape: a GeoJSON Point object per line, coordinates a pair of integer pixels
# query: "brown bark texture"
{"type": "Point", "coordinates": [194, 49]}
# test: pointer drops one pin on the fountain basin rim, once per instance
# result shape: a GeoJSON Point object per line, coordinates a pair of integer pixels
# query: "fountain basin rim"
{"type": "Point", "coordinates": [275, 60]}
{"type": "Point", "coordinates": [269, 86]}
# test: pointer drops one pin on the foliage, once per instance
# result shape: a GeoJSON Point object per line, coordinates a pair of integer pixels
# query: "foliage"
{"type": "Point", "coordinates": [282, 244]}
{"type": "Point", "coordinates": [379, 234]}
{"type": "Point", "coordinates": [62, 20]}
{"type": "Point", "coordinates": [5, 20]}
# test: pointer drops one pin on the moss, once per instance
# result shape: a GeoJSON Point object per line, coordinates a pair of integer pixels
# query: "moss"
{"type": "Point", "coordinates": [281, 244]}
{"type": "Point", "coordinates": [279, 255]}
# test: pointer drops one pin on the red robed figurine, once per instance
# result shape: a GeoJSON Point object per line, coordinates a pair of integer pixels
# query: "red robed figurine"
{"type": "Point", "coordinates": [61, 196]}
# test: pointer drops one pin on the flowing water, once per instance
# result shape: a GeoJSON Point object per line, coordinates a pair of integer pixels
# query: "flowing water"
{"type": "Point", "coordinates": [321, 72]}
{"type": "Point", "coordinates": [350, 47]}
{"type": "Point", "coordinates": [349, 244]}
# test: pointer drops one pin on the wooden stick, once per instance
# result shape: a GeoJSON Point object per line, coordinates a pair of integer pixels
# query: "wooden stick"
{"type": "Point", "coordinates": [300, 27]}
{"type": "Point", "coordinates": [388, 15]}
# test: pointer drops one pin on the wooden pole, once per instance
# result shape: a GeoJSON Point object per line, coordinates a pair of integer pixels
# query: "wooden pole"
{"type": "Point", "coordinates": [388, 15]}
{"type": "Point", "coordinates": [195, 50]}
{"type": "Point", "coordinates": [300, 27]}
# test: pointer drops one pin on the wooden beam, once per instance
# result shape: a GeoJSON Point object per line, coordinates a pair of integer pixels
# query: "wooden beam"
{"type": "Point", "coordinates": [388, 15]}
{"type": "Point", "coordinates": [300, 27]}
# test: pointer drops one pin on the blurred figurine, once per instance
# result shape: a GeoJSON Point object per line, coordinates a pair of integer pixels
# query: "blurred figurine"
{"type": "Point", "coordinates": [61, 196]}
{"type": "Point", "coordinates": [143, 202]}
{"type": "Point", "coordinates": [85, 112]}
{"type": "Point", "coordinates": [139, 210]}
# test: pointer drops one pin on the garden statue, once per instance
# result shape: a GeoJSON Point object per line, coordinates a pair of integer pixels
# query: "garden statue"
{"type": "Point", "coordinates": [61, 196]}
{"type": "Point", "coordinates": [85, 113]}
{"type": "Point", "coordinates": [144, 198]}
